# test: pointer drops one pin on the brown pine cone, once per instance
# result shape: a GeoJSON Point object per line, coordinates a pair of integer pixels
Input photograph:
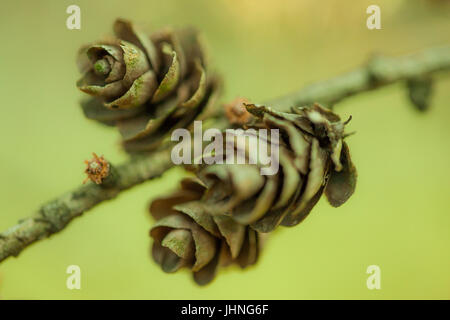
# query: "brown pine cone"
{"type": "Point", "coordinates": [313, 158]}
{"type": "Point", "coordinates": [146, 85]}
{"type": "Point", "coordinates": [186, 235]}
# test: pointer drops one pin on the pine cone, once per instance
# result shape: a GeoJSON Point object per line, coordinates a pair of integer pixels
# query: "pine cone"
{"type": "Point", "coordinates": [186, 235]}
{"type": "Point", "coordinates": [146, 85]}
{"type": "Point", "coordinates": [312, 159]}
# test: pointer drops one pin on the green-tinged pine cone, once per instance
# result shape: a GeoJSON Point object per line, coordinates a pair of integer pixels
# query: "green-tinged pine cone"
{"type": "Point", "coordinates": [146, 85]}
{"type": "Point", "coordinates": [313, 158]}
{"type": "Point", "coordinates": [186, 235]}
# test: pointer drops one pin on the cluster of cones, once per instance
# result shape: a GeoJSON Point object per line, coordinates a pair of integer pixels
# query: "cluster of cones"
{"type": "Point", "coordinates": [147, 85]}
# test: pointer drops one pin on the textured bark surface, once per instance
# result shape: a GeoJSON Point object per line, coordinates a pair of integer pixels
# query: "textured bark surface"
{"type": "Point", "coordinates": [379, 71]}
{"type": "Point", "coordinates": [53, 216]}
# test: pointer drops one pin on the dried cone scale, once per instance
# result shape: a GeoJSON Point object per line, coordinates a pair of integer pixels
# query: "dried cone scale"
{"type": "Point", "coordinates": [313, 159]}
{"type": "Point", "coordinates": [186, 235]}
{"type": "Point", "coordinates": [146, 85]}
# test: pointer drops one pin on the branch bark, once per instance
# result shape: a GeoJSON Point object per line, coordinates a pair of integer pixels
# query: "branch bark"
{"type": "Point", "coordinates": [378, 72]}
{"type": "Point", "coordinates": [55, 215]}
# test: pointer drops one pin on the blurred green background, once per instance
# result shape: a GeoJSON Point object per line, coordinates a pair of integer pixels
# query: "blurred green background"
{"type": "Point", "coordinates": [399, 217]}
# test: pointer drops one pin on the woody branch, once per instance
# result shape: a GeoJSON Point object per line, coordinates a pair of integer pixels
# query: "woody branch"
{"type": "Point", "coordinates": [55, 215]}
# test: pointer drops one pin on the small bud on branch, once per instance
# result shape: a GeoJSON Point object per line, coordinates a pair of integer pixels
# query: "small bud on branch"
{"type": "Point", "coordinates": [236, 112]}
{"type": "Point", "coordinates": [100, 171]}
{"type": "Point", "coordinates": [97, 169]}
